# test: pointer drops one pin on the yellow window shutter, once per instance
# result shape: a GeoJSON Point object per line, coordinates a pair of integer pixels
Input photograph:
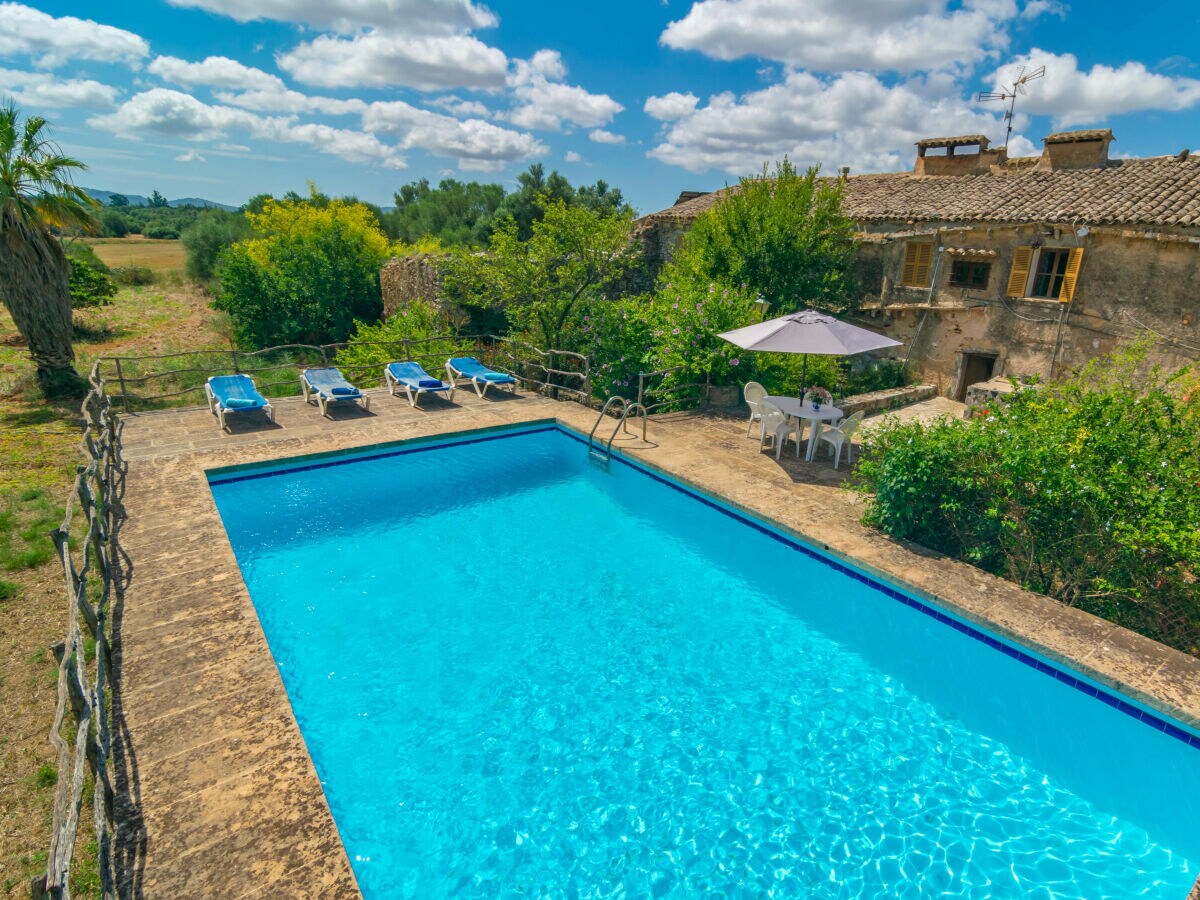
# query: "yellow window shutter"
{"type": "Point", "coordinates": [917, 257]}
{"type": "Point", "coordinates": [1019, 276]}
{"type": "Point", "coordinates": [1071, 276]}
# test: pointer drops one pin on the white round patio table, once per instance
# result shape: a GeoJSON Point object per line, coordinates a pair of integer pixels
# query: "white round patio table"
{"type": "Point", "coordinates": [798, 409]}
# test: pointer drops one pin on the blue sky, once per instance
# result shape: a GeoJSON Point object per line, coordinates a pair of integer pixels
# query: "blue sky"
{"type": "Point", "coordinates": [225, 99]}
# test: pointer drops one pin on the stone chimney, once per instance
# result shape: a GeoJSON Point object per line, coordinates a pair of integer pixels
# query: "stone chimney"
{"type": "Point", "coordinates": [978, 157]}
{"type": "Point", "coordinates": [1076, 150]}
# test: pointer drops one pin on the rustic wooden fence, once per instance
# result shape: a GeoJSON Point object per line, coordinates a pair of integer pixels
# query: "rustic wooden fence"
{"type": "Point", "coordinates": [151, 382]}
{"type": "Point", "coordinates": [81, 731]}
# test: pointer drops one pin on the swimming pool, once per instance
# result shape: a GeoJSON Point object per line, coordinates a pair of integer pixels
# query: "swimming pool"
{"type": "Point", "coordinates": [520, 673]}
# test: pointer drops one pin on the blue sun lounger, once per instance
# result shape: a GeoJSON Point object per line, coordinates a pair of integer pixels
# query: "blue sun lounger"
{"type": "Point", "coordinates": [480, 376]}
{"type": "Point", "coordinates": [328, 385]}
{"type": "Point", "coordinates": [234, 393]}
{"type": "Point", "coordinates": [415, 381]}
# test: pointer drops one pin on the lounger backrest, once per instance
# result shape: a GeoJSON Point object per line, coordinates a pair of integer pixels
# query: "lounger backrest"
{"type": "Point", "coordinates": [408, 370]}
{"type": "Point", "coordinates": [234, 387]}
{"type": "Point", "coordinates": [469, 365]}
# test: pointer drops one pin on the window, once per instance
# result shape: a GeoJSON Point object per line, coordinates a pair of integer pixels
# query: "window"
{"type": "Point", "coordinates": [917, 258]}
{"type": "Point", "coordinates": [968, 273]}
{"type": "Point", "coordinates": [1051, 269]}
{"type": "Point", "coordinates": [1055, 273]}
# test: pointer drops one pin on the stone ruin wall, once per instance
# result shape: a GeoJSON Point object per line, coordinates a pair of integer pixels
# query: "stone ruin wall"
{"type": "Point", "coordinates": [406, 278]}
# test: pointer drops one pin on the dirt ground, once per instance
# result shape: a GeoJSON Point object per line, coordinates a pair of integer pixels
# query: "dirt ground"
{"type": "Point", "coordinates": [39, 449]}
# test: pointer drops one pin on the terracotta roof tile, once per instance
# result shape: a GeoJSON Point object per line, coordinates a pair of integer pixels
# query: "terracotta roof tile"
{"type": "Point", "coordinates": [1163, 190]}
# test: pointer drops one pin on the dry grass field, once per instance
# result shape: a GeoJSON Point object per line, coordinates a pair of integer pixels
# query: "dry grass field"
{"type": "Point", "coordinates": [135, 250]}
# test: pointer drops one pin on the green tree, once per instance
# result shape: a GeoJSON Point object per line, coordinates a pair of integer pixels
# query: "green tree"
{"type": "Point", "coordinates": [37, 194]}
{"type": "Point", "coordinates": [113, 224]}
{"type": "Point", "coordinates": [118, 200]}
{"type": "Point", "coordinates": [535, 192]}
{"type": "Point", "coordinates": [545, 282]}
{"type": "Point", "coordinates": [157, 201]}
{"type": "Point", "coordinates": [309, 275]}
{"type": "Point", "coordinates": [204, 239]}
{"type": "Point", "coordinates": [783, 235]}
{"type": "Point", "coordinates": [457, 213]}
{"type": "Point", "coordinates": [601, 196]}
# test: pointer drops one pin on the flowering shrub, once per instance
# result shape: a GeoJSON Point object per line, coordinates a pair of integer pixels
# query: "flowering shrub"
{"type": "Point", "coordinates": [1086, 490]}
{"type": "Point", "coordinates": [622, 336]}
{"type": "Point", "coordinates": [689, 314]}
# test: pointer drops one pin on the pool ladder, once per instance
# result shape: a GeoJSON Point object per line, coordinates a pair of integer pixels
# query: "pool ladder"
{"type": "Point", "coordinates": [602, 452]}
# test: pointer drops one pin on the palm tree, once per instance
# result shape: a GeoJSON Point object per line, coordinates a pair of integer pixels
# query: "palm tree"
{"type": "Point", "coordinates": [37, 194]}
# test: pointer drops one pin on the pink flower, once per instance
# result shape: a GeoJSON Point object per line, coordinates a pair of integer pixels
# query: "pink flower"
{"type": "Point", "coordinates": [735, 361]}
{"type": "Point", "coordinates": [674, 331]}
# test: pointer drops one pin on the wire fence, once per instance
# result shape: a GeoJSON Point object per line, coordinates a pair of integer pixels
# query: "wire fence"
{"type": "Point", "coordinates": [172, 379]}
{"type": "Point", "coordinates": [81, 730]}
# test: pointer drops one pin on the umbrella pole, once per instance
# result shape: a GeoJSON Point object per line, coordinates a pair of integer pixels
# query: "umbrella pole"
{"type": "Point", "coordinates": [804, 372]}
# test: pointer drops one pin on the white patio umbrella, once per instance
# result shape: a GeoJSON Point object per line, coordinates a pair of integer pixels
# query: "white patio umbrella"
{"type": "Point", "coordinates": [808, 332]}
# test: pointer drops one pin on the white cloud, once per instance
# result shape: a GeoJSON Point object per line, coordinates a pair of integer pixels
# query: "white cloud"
{"type": "Point", "coordinates": [600, 136]}
{"type": "Point", "coordinates": [841, 35]}
{"type": "Point", "coordinates": [1074, 97]}
{"type": "Point", "coordinates": [670, 107]}
{"type": "Point", "coordinates": [214, 71]}
{"type": "Point", "coordinates": [424, 16]}
{"type": "Point", "coordinates": [854, 119]}
{"type": "Point", "coordinates": [476, 144]}
{"type": "Point", "coordinates": [457, 106]}
{"type": "Point", "coordinates": [282, 100]}
{"type": "Point", "coordinates": [1035, 8]}
{"type": "Point", "coordinates": [378, 59]}
{"type": "Point", "coordinates": [572, 157]}
{"type": "Point", "coordinates": [54, 41]}
{"type": "Point", "coordinates": [41, 90]}
{"type": "Point", "coordinates": [190, 156]}
{"type": "Point", "coordinates": [544, 103]}
{"type": "Point", "coordinates": [172, 114]}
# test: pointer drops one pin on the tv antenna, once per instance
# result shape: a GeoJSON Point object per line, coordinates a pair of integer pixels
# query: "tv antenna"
{"type": "Point", "coordinates": [1010, 94]}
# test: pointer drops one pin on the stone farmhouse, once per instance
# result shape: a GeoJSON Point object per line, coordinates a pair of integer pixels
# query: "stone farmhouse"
{"type": "Point", "coordinates": [988, 266]}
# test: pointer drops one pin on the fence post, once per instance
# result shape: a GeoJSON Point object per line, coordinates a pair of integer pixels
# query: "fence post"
{"type": "Point", "coordinates": [121, 380]}
{"type": "Point", "coordinates": [407, 351]}
{"type": "Point", "coordinates": [234, 355]}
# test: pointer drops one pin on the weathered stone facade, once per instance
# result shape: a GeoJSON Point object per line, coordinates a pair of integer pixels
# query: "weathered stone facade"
{"type": "Point", "coordinates": [406, 278]}
{"type": "Point", "coordinates": [1104, 252]}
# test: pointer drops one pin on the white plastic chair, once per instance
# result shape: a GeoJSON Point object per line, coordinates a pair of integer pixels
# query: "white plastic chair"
{"type": "Point", "coordinates": [777, 426]}
{"type": "Point", "coordinates": [839, 436]}
{"type": "Point", "coordinates": [753, 393]}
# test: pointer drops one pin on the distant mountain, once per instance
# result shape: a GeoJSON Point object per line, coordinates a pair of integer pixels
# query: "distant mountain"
{"type": "Point", "coordinates": [139, 200]}
{"type": "Point", "coordinates": [199, 201]}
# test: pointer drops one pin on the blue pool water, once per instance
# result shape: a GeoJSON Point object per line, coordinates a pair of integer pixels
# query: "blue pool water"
{"type": "Point", "coordinates": [519, 674]}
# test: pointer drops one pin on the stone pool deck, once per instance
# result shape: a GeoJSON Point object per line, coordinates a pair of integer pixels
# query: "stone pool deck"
{"type": "Point", "coordinates": [229, 802]}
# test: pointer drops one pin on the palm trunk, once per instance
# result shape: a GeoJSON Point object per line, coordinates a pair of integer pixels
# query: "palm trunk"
{"type": "Point", "coordinates": [33, 285]}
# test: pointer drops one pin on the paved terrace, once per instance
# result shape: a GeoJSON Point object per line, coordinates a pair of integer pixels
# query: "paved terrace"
{"type": "Point", "coordinates": [231, 805]}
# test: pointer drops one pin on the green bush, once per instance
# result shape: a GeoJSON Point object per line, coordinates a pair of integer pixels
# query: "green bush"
{"type": "Point", "coordinates": [1085, 490]}
{"type": "Point", "coordinates": [161, 231]}
{"type": "Point", "coordinates": [372, 347]}
{"type": "Point", "coordinates": [312, 274]}
{"type": "Point", "coordinates": [9, 589]}
{"type": "Point", "coordinates": [89, 285]}
{"type": "Point", "coordinates": [132, 275]}
{"type": "Point", "coordinates": [204, 239]}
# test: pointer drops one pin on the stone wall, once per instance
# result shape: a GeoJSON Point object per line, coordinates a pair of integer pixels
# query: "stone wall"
{"type": "Point", "coordinates": [893, 398]}
{"type": "Point", "coordinates": [1129, 283]}
{"type": "Point", "coordinates": [406, 278]}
